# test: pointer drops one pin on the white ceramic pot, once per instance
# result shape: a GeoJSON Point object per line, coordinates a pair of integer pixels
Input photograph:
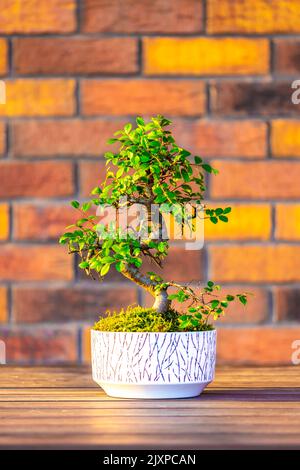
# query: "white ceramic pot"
{"type": "Point", "coordinates": [153, 365]}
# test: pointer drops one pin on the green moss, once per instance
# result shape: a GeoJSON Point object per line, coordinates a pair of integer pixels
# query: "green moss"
{"type": "Point", "coordinates": [140, 319]}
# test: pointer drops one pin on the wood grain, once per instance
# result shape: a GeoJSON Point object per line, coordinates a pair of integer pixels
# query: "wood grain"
{"type": "Point", "coordinates": [61, 407]}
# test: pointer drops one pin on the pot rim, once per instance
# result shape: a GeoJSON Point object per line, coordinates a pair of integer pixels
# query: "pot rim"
{"type": "Point", "coordinates": [153, 332]}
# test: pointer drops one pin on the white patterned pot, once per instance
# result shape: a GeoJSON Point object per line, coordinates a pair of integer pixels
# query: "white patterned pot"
{"type": "Point", "coordinates": [153, 365]}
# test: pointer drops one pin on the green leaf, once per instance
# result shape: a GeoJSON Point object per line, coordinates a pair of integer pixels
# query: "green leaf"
{"type": "Point", "coordinates": [227, 210]}
{"type": "Point", "coordinates": [86, 206]}
{"type": "Point", "coordinates": [96, 190]}
{"type": "Point", "coordinates": [107, 259]}
{"type": "Point", "coordinates": [104, 269]}
{"type": "Point", "coordinates": [161, 247]}
{"type": "Point", "coordinates": [140, 121]}
{"type": "Point", "coordinates": [207, 167]}
{"type": "Point", "coordinates": [185, 175]}
{"type": "Point", "coordinates": [192, 309]}
{"type": "Point", "coordinates": [198, 160]}
{"type": "Point", "coordinates": [242, 299]}
{"type": "Point", "coordinates": [219, 211]}
{"type": "Point", "coordinates": [230, 298]}
{"type": "Point", "coordinates": [120, 172]}
{"type": "Point", "coordinates": [75, 204]}
{"type": "Point", "coordinates": [223, 218]}
{"type": "Point", "coordinates": [214, 303]}
{"type": "Point", "coordinates": [84, 264]}
{"type": "Point", "coordinates": [214, 220]}
{"type": "Point", "coordinates": [210, 283]}
{"type": "Point", "coordinates": [127, 128]}
{"type": "Point", "coordinates": [112, 141]}
{"type": "Point", "coordinates": [224, 303]}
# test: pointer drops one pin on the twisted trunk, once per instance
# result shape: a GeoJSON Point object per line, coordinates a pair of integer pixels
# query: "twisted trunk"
{"type": "Point", "coordinates": [161, 302]}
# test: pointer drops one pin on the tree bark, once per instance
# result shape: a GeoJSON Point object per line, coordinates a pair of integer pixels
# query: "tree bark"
{"type": "Point", "coordinates": [161, 303]}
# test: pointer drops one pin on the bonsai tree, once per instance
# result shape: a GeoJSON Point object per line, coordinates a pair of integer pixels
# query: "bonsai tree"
{"type": "Point", "coordinates": [149, 170]}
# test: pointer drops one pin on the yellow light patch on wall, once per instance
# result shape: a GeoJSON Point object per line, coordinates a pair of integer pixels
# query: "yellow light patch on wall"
{"type": "Point", "coordinates": [216, 56]}
{"type": "Point", "coordinates": [246, 222]}
{"type": "Point", "coordinates": [285, 138]}
{"type": "Point", "coordinates": [38, 97]}
{"type": "Point", "coordinates": [255, 16]}
{"type": "Point", "coordinates": [4, 221]}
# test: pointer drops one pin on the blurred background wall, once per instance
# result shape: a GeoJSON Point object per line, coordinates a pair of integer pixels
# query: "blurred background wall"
{"type": "Point", "coordinates": [77, 70]}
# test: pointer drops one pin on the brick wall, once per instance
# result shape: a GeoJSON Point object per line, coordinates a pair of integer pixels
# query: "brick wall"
{"type": "Point", "coordinates": [76, 71]}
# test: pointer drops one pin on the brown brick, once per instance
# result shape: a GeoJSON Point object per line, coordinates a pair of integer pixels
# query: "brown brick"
{"type": "Point", "coordinates": [286, 303]}
{"type": "Point", "coordinates": [60, 56]}
{"type": "Point", "coordinates": [205, 56]}
{"type": "Point", "coordinates": [38, 97]}
{"type": "Point", "coordinates": [222, 138]}
{"type": "Point", "coordinates": [4, 221]}
{"type": "Point", "coordinates": [3, 57]}
{"type": "Point", "coordinates": [285, 138]}
{"type": "Point", "coordinates": [36, 179]}
{"type": "Point", "coordinates": [287, 56]}
{"type": "Point", "coordinates": [256, 346]}
{"type": "Point", "coordinates": [257, 16]}
{"type": "Point", "coordinates": [37, 16]}
{"type": "Point", "coordinates": [155, 16]}
{"type": "Point", "coordinates": [2, 138]}
{"type": "Point", "coordinates": [253, 99]}
{"type": "Point", "coordinates": [42, 345]}
{"type": "Point", "coordinates": [246, 222]}
{"type": "Point", "coordinates": [3, 305]}
{"type": "Point", "coordinates": [180, 266]}
{"type": "Point", "coordinates": [256, 180]}
{"type": "Point", "coordinates": [40, 222]}
{"type": "Point", "coordinates": [132, 97]}
{"type": "Point", "coordinates": [287, 222]}
{"type": "Point", "coordinates": [92, 174]}
{"type": "Point", "coordinates": [76, 137]}
{"type": "Point", "coordinates": [40, 263]}
{"type": "Point", "coordinates": [256, 310]}
{"type": "Point", "coordinates": [32, 305]}
{"type": "Point", "coordinates": [254, 263]}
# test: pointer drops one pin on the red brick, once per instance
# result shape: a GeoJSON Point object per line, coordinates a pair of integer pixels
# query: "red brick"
{"type": "Point", "coordinates": [92, 174]}
{"type": "Point", "coordinates": [256, 346]}
{"type": "Point", "coordinates": [256, 180]}
{"type": "Point", "coordinates": [222, 138]}
{"type": "Point", "coordinates": [40, 222]}
{"type": "Point", "coordinates": [37, 16]}
{"type": "Point", "coordinates": [150, 16]}
{"type": "Point", "coordinates": [60, 56]}
{"type": "Point", "coordinates": [36, 179]}
{"type": "Point", "coordinates": [53, 304]}
{"type": "Point", "coordinates": [34, 263]}
{"type": "Point", "coordinates": [180, 266]}
{"type": "Point", "coordinates": [253, 99]}
{"type": "Point", "coordinates": [255, 312]}
{"type": "Point", "coordinates": [287, 56]}
{"type": "Point", "coordinates": [255, 263]}
{"type": "Point", "coordinates": [42, 345]}
{"type": "Point", "coordinates": [70, 137]}
{"type": "Point", "coordinates": [39, 97]}
{"type": "Point", "coordinates": [135, 97]}
{"type": "Point", "coordinates": [286, 303]}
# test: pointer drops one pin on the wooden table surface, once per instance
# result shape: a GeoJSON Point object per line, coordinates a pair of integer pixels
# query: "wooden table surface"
{"type": "Point", "coordinates": [60, 407]}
